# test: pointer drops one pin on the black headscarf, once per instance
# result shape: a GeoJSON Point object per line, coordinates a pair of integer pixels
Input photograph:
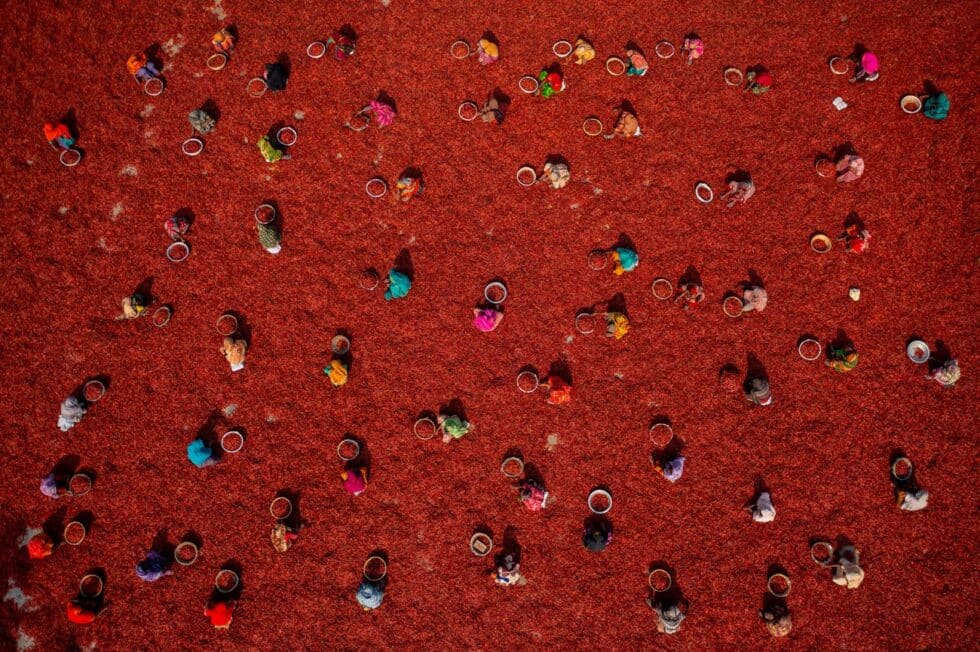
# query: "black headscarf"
{"type": "Point", "coordinates": [276, 76]}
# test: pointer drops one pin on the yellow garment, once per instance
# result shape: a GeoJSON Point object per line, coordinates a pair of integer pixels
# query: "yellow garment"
{"type": "Point", "coordinates": [338, 373]}
{"type": "Point", "coordinates": [278, 537]}
{"type": "Point", "coordinates": [234, 350]}
{"type": "Point", "coordinates": [130, 309]}
{"type": "Point", "coordinates": [618, 270]}
{"type": "Point", "coordinates": [617, 325]}
{"type": "Point", "coordinates": [269, 152]}
{"type": "Point", "coordinates": [583, 52]}
{"type": "Point", "coordinates": [489, 47]}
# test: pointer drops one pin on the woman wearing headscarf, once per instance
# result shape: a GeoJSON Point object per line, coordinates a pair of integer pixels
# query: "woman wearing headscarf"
{"type": "Point", "coordinates": [398, 285]}
{"type": "Point", "coordinates": [669, 616]}
{"type": "Point", "coordinates": [866, 69]}
{"type": "Point", "coordinates": [755, 298]}
{"type": "Point", "coordinates": [453, 427]}
{"type": "Point", "coordinates": [532, 494]}
{"type": "Point", "coordinates": [636, 64]}
{"type": "Point", "coordinates": [40, 546]}
{"type": "Point", "coordinates": [758, 81]}
{"type": "Point", "coordinates": [550, 83]}
{"type": "Point", "coordinates": [133, 306]}
{"type": "Point", "coordinates": [763, 510]}
{"type": "Point", "coordinates": [757, 392]}
{"type": "Point", "coordinates": [739, 191]}
{"type": "Point", "coordinates": [58, 135]}
{"type": "Point", "coordinates": [371, 593]}
{"type": "Point", "coordinates": [617, 325]}
{"type": "Point", "coordinates": [692, 49]}
{"type": "Point", "coordinates": [856, 239]}
{"type": "Point", "coordinates": [690, 295]}
{"type": "Point", "coordinates": [627, 126]}
{"type": "Point", "coordinates": [486, 319]}
{"type": "Point", "coordinates": [947, 374]}
{"type": "Point", "coordinates": [508, 572]}
{"type": "Point", "coordinates": [487, 51]}
{"type": "Point", "coordinates": [200, 454]}
{"type": "Point", "coordinates": [407, 186]}
{"type": "Point", "coordinates": [269, 237]}
{"type": "Point", "coordinates": [275, 76]}
{"type": "Point", "coordinates": [344, 45]}
{"type": "Point", "coordinates": [841, 357]}
{"type": "Point", "coordinates": [142, 68]}
{"type": "Point", "coordinates": [597, 535]}
{"type": "Point", "coordinates": [557, 174]}
{"type": "Point", "coordinates": [337, 371]}
{"type": "Point", "coordinates": [81, 611]}
{"type": "Point", "coordinates": [493, 111]}
{"type": "Point", "coordinates": [223, 41]}
{"type": "Point", "coordinates": [354, 480]}
{"type": "Point", "coordinates": [583, 52]}
{"type": "Point", "coordinates": [559, 391]}
{"type": "Point", "coordinates": [219, 613]}
{"type": "Point", "coordinates": [672, 469]}
{"type": "Point", "coordinates": [270, 152]}
{"type": "Point", "coordinates": [849, 167]}
{"type": "Point", "coordinates": [777, 620]}
{"type": "Point", "coordinates": [936, 107]}
{"type": "Point", "coordinates": [153, 567]}
{"type": "Point", "coordinates": [234, 351]}
{"type": "Point", "coordinates": [201, 121]}
{"type": "Point", "coordinates": [72, 411]}
{"type": "Point", "coordinates": [624, 260]}
{"type": "Point", "coordinates": [847, 571]}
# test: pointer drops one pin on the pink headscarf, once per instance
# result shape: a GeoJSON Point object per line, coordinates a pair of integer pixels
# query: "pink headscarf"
{"type": "Point", "coordinates": [850, 168]}
{"type": "Point", "coordinates": [485, 320]}
{"type": "Point", "coordinates": [695, 46]}
{"type": "Point", "coordinates": [383, 113]}
{"type": "Point", "coordinates": [869, 61]}
{"type": "Point", "coordinates": [354, 483]}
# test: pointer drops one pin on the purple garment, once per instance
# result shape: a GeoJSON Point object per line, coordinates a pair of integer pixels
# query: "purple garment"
{"type": "Point", "coordinates": [153, 567]}
{"type": "Point", "coordinates": [147, 72]}
{"type": "Point", "coordinates": [674, 469]}
{"type": "Point", "coordinates": [49, 486]}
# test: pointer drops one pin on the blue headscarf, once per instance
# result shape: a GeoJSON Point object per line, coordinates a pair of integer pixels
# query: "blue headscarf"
{"type": "Point", "coordinates": [398, 287]}
{"type": "Point", "coordinates": [198, 453]}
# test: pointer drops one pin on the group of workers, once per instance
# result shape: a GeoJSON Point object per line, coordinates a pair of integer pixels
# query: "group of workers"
{"type": "Point", "coordinates": [598, 532]}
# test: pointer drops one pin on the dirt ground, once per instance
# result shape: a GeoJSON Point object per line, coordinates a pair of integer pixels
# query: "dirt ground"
{"type": "Point", "coordinates": [81, 239]}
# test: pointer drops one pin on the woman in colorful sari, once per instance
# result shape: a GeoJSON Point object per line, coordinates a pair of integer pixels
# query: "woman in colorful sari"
{"type": "Point", "coordinates": [841, 357]}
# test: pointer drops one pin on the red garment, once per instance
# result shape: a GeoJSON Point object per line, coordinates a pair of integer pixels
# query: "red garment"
{"type": "Point", "coordinates": [559, 392]}
{"type": "Point", "coordinates": [554, 79]}
{"type": "Point", "coordinates": [55, 130]}
{"type": "Point", "coordinates": [79, 614]}
{"type": "Point", "coordinates": [764, 79]}
{"type": "Point", "coordinates": [219, 613]}
{"type": "Point", "coordinates": [40, 546]}
{"type": "Point", "coordinates": [176, 227]}
{"type": "Point", "coordinates": [536, 497]}
{"type": "Point", "coordinates": [355, 481]}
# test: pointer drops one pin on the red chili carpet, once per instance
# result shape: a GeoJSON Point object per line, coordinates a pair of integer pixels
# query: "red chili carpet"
{"type": "Point", "coordinates": [81, 239]}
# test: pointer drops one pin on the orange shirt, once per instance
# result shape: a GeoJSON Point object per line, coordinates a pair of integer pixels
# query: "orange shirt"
{"type": "Point", "coordinates": [135, 62]}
